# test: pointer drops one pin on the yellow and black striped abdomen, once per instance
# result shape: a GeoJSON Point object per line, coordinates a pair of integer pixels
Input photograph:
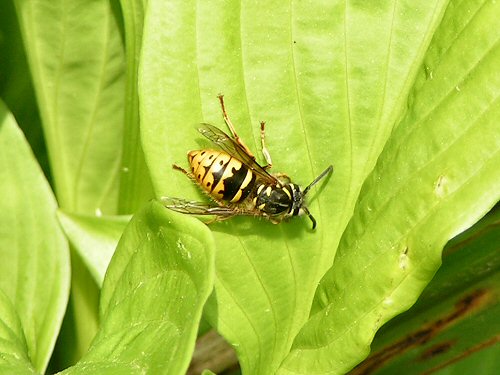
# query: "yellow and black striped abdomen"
{"type": "Point", "coordinates": [221, 175]}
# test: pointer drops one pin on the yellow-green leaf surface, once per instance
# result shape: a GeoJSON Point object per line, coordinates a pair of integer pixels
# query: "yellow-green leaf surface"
{"type": "Point", "coordinates": [94, 239]}
{"type": "Point", "coordinates": [76, 58]}
{"type": "Point", "coordinates": [330, 79]}
{"type": "Point", "coordinates": [152, 298]}
{"type": "Point", "coordinates": [14, 357]}
{"type": "Point", "coordinates": [437, 175]}
{"type": "Point", "coordinates": [34, 266]}
{"type": "Point", "coordinates": [135, 184]}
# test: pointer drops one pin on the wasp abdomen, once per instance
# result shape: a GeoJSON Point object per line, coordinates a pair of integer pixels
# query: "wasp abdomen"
{"type": "Point", "coordinates": [221, 175]}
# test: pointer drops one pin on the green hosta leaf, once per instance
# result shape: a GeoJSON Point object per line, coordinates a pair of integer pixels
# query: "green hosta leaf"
{"type": "Point", "coordinates": [438, 174]}
{"type": "Point", "coordinates": [153, 296]}
{"type": "Point", "coordinates": [14, 357]}
{"type": "Point", "coordinates": [94, 239]}
{"type": "Point", "coordinates": [330, 80]}
{"type": "Point", "coordinates": [34, 271]}
{"type": "Point", "coordinates": [454, 324]}
{"type": "Point", "coordinates": [75, 54]}
{"type": "Point", "coordinates": [135, 184]}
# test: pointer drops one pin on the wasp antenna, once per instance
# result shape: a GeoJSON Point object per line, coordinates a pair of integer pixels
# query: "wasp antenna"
{"type": "Point", "coordinates": [310, 217]}
{"type": "Point", "coordinates": [317, 179]}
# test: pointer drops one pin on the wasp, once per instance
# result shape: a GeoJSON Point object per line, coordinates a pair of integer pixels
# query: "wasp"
{"type": "Point", "coordinates": [236, 183]}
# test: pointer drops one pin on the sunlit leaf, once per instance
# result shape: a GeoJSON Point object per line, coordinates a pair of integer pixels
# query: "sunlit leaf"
{"type": "Point", "coordinates": [437, 175]}
{"type": "Point", "coordinates": [94, 239]}
{"type": "Point", "coordinates": [135, 184]}
{"type": "Point", "coordinates": [152, 297]}
{"type": "Point", "coordinates": [76, 57]}
{"type": "Point", "coordinates": [14, 357]}
{"type": "Point", "coordinates": [331, 81]}
{"type": "Point", "coordinates": [34, 267]}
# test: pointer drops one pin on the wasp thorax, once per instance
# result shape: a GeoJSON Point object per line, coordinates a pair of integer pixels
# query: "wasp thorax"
{"type": "Point", "coordinates": [278, 199]}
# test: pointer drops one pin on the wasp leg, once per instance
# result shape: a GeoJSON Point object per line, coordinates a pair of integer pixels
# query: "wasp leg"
{"type": "Point", "coordinates": [218, 218]}
{"type": "Point", "coordinates": [180, 169]}
{"type": "Point", "coordinates": [188, 174]}
{"type": "Point", "coordinates": [231, 127]}
{"type": "Point", "coordinates": [265, 151]}
{"type": "Point", "coordinates": [274, 221]}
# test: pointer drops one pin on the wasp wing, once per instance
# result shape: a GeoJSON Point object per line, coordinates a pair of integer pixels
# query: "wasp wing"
{"type": "Point", "coordinates": [229, 145]}
{"type": "Point", "coordinates": [200, 208]}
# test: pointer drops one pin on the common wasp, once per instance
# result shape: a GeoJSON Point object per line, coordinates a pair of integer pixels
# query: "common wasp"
{"type": "Point", "coordinates": [236, 183]}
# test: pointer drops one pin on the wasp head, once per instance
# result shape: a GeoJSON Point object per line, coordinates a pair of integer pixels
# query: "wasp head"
{"type": "Point", "coordinates": [285, 200]}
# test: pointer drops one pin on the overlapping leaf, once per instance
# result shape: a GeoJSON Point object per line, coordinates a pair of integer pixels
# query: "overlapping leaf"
{"type": "Point", "coordinates": [94, 239]}
{"type": "Point", "coordinates": [152, 297]}
{"type": "Point", "coordinates": [454, 325]}
{"type": "Point", "coordinates": [16, 88]}
{"type": "Point", "coordinates": [76, 58]}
